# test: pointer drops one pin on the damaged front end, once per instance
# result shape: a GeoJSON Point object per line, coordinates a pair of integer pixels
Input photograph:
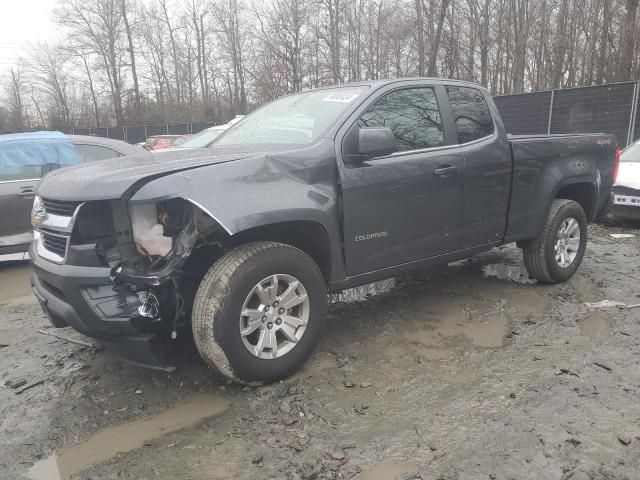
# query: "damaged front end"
{"type": "Point", "coordinates": [116, 271]}
{"type": "Point", "coordinates": [151, 253]}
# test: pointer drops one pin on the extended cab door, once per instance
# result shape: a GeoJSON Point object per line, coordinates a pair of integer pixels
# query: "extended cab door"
{"type": "Point", "coordinates": [405, 206]}
{"type": "Point", "coordinates": [488, 166]}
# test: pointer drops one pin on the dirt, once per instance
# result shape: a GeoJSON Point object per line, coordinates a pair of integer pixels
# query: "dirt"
{"type": "Point", "coordinates": [466, 371]}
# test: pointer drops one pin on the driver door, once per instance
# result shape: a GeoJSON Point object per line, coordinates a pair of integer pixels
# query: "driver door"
{"type": "Point", "coordinates": [17, 186]}
{"type": "Point", "coordinates": [405, 206]}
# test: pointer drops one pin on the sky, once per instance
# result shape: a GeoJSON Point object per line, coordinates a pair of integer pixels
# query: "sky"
{"type": "Point", "coordinates": [23, 22]}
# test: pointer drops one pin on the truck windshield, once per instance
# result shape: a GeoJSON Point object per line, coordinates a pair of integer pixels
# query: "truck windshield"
{"type": "Point", "coordinates": [295, 119]}
{"type": "Point", "coordinates": [631, 153]}
{"type": "Point", "coordinates": [201, 139]}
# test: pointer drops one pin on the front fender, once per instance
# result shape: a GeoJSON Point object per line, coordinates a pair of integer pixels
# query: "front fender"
{"type": "Point", "coordinates": [259, 191]}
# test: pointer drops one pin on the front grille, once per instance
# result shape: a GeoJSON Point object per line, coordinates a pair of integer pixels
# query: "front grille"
{"type": "Point", "coordinates": [60, 207]}
{"type": "Point", "coordinates": [55, 243]}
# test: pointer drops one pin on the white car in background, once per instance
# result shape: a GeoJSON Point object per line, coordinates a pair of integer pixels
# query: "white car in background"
{"type": "Point", "coordinates": [625, 198]}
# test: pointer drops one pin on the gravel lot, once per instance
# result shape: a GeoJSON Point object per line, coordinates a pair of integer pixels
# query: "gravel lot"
{"type": "Point", "coordinates": [448, 375]}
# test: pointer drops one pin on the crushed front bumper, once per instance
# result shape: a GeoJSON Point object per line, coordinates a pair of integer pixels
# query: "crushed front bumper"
{"type": "Point", "coordinates": [85, 299]}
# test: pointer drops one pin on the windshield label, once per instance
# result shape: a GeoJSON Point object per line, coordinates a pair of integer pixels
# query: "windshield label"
{"type": "Point", "coordinates": [341, 97]}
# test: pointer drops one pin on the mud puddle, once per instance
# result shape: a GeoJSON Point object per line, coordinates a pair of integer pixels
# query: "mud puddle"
{"type": "Point", "coordinates": [111, 441]}
{"type": "Point", "coordinates": [485, 333]}
{"type": "Point", "coordinates": [14, 281]}
{"type": "Point", "coordinates": [446, 322]}
{"type": "Point", "coordinates": [8, 336]}
{"type": "Point", "coordinates": [595, 325]}
{"type": "Point", "coordinates": [389, 470]}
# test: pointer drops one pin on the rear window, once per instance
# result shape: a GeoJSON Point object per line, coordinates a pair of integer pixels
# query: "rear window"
{"type": "Point", "coordinates": [89, 153]}
{"type": "Point", "coordinates": [470, 113]}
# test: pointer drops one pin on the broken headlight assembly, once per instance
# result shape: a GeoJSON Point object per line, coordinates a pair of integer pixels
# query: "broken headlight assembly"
{"type": "Point", "coordinates": [164, 234]}
{"type": "Point", "coordinates": [148, 232]}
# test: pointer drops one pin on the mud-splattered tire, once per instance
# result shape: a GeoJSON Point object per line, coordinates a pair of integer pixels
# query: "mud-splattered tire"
{"type": "Point", "coordinates": [222, 298]}
{"type": "Point", "coordinates": [540, 254]}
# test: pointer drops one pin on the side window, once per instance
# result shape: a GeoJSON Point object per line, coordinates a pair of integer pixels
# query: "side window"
{"type": "Point", "coordinates": [22, 172]}
{"type": "Point", "coordinates": [470, 113]}
{"type": "Point", "coordinates": [413, 116]}
{"type": "Point", "coordinates": [89, 153]}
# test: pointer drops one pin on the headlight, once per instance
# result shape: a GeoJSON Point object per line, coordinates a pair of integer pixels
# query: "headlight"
{"type": "Point", "coordinates": [37, 212]}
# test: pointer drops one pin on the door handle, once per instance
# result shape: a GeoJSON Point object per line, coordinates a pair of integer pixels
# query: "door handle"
{"type": "Point", "coordinates": [446, 170]}
{"type": "Point", "coordinates": [27, 192]}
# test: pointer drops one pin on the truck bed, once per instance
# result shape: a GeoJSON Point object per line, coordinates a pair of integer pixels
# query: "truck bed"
{"type": "Point", "coordinates": [543, 164]}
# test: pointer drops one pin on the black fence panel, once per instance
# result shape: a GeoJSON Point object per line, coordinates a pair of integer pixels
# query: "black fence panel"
{"type": "Point", "coordinates": [82, 131]}
{"type": "Point", "coordinates": [136, 134]}
{"type": "Point", "coordinates": [178, 129]}
{"type": "Point", "coordinates": [198, 127]}
{"type": "Point", "coordinates": [156, 130]}
{"type": "Point", "coordinates": [636, 129]}
{"type": "Point", "coordinates": [100, 131]}
{"type": "Point", "coordinates": [525, 114]}
{"type": "Point", "coordinates": [602, 108]}
{"type": "Point", "coordinates": [117, 133]}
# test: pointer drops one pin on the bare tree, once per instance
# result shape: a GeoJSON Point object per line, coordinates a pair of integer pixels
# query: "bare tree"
{"type": "Point", "coordinates": [628, 41]}
{"type": "Point", "coordinates": [14, 90]}
{"type": "Point", "coordinates": [47, 67]}
{"type": "Point", "coordinates": [98, 26]}
{"type": "Point", "coordinates": [205, 60]}
{"type": "Point", "coordinates": [124, 6]}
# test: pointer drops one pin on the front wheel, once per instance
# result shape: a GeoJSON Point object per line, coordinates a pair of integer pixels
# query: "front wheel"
{"type": "Point", "coordinates": [555, 255]}
{"type": "Point", "coordinates": [259, 312]}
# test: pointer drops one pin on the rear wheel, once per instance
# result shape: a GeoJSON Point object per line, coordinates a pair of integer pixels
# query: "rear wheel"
{"type": "Point", "coordinates": [259, 312]}
{"type": "Point", "coordinates": [555, 255]}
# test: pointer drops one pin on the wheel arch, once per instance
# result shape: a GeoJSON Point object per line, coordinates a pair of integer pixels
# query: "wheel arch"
{"type": "Point", "coordinates": [581, 192]}
{"type": "Point", "coordinates": [309, 236]}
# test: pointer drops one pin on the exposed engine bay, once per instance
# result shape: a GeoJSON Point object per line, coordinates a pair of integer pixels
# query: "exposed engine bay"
{"type": "Point", "coordinates": [146, 246]}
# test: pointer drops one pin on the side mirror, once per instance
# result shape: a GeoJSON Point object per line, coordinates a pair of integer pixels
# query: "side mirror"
{"type": "Point", "coordinates": [374, 142]}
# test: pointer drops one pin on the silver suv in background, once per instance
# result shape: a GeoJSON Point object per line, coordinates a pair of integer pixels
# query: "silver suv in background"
{"type": "Point", "coordinates": [24, 159]}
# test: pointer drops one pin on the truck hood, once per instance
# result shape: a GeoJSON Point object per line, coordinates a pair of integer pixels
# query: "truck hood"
{"type": "Point", "coordinates": [629, 175]}
{"type": "Point", "coordinates": [110, 179]}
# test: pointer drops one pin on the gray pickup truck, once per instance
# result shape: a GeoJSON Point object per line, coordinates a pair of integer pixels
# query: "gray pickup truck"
{"type": "Point", "coordinates": [315, 192]}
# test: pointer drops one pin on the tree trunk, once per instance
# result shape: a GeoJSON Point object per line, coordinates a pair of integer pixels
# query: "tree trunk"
{"type": "Point", "coordinates": [132, 56]}
{"type": "Point", "coordinates": [560, 46]}
{"type": "Point", "coordinates": [420, 30]}
{"type": "Point", "coordinates": [94, 99]}
{"type": "Point", "coordinates": [627, 49]}
{"type": "Point", "coordinates": [521, 28]}
{"type": "Point", "coordinates": [433, 59]}
{"type": "Point", "coordinates": [604, 41]}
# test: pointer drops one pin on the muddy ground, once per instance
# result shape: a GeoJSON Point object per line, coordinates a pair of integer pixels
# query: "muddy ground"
{"type": "Point", "coordinates": [449, 375]}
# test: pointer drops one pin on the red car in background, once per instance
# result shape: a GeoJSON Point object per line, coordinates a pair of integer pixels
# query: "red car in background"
{"type": "Point", "coordinates": [158, 142]}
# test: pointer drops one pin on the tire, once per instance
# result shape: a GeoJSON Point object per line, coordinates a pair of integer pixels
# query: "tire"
{"type": "Point", "coordinates": [539, 253]}
{"type": "Point", "coordinates": [228, 288]}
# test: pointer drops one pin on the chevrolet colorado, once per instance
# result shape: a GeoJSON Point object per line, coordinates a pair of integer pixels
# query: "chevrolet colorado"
{"type": "Point", "coordinates": [315, 192]}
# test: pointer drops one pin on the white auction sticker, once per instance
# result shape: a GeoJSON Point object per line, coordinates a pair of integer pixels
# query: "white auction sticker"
{"type": "Point", "coordinates": [341, 97]}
